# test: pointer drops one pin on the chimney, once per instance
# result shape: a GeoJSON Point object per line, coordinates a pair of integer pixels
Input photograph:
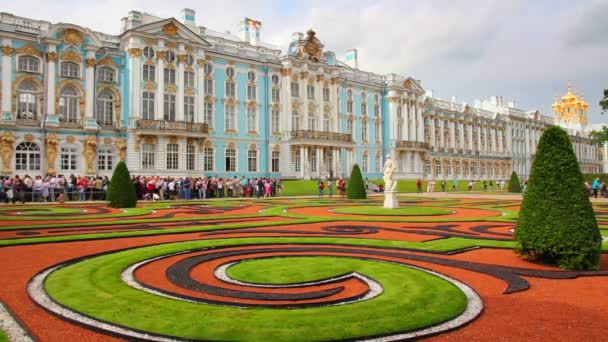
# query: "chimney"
{"type": "Point", "coordinates": [131, 21]}
{"type": "Point", "coordinates": [249, 31]}
{"type": "Point", "coordinates": [188, 17]}
{"type": "Point", "coordinates": [352, 59]}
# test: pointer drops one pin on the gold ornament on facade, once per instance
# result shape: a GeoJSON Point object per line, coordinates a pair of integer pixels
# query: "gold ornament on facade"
{"type": "Point", "coordinates": [201, 62]}
{"type": "Point", "coordinates": [7, 149]}
{"type": "Point", "coordinates": [161, 54]}
{"type": "Point", "coordinates": [149, 41]}
{"type": "Point", "coordinates": [149, 86]}
{"type": "Point", "coordinates": [7, 50]}
{"type": "Point", "coordinates": [121, 145]}
{"type": "Point", "coordinates": [51, 153]}
{"type": "Point", "coordinates": [182, 58]}
{"type": "Point", "coordinates": [71, 56]}
{"type": "Point", "coordinates": [171, 89]}
{"type": "Point", "coordinates": [91, 62]}
{"type": "Point", "coordinates": [149, 139]}
{"type": "Point", "coordinates": [189, 68]}
{"type": "Point", "coordinates": [107, 61]}
{"type": "Point", "coordinates": [171, 45]}
{"type": "Point", "coordinates": [72, 37]}
{"type": "Point", "coordinates": [295, 105]}
{"type": "Point", "coordinates": [173, 140]}
{"type": "Point", "coordinates": [189, 141]}
{"type": "Point", "coordinates": [311, 48]}
{"type": "Point", "coordinates": [90, 152]}
{"type": "Point", "coordinates": [189, 91]}
{"type": "Point", "coordinates": [107, 141]}
{"type": "Point", "coordinates": [408, 84]}
{"type": "Point", "coordinates": [285, 72]}
{"type": "Point", "coordinates": [29, 50]}
{"type": "Point", "coordinates": [135, 52]}
{"type": "Point", "coordinates": [51, 56]}
{"type": "Point", "coordinates": [320, 78]}
{"type": "Point", "coordinates": [334, 80]}
{"type": "Point", "coordinates": [189, 49]}
{"type": "Point", "coordinates": [312, 107]}
{"type": "Point", "coordinates": [231, 145]}
{"type": "Point", "coordinates": [170, 29]}
{"type": "Point", "coordinates": [71, 139]}
{"type": "Point", "coordinates": [393, 99]}
{"type": "Point", "coordinates": [304, 74]}
{"type": "Point", "coordinates": [28, 137]}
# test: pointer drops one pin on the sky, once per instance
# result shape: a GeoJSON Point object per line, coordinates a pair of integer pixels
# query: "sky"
{"type": "Point", "coordinates": [521, 50]}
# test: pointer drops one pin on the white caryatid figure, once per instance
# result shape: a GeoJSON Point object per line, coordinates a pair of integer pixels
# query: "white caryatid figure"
{"type": "Point", "coordinates": [390, 184]}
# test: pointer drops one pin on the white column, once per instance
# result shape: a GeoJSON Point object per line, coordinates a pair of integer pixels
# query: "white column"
{"type": "Point", "coordinates": [406, 119]}
{"type": "Point", "coordinates": [453, 135]}
{"type": "Point", "coordinates": [50, 79]}
{"type": "Point", "coordinates": [321, 162]}
{"type": "Point", "coordinates": [470, 136]}
{"type": "Point", "coordinates": [479, 138]}
{"type": "Point", "coordinates": [500, 147]}
{"type": "Point", "coordinates": [317, 151]}
{"type": "Point", "coordinates": [392, 110]}
{"type": "Point", "coordinates": [441, 135]}
{"type": "Point", "coordinates": [160, 82]}
{"type": "Point", "coordinates": [180, 88]}
{"type": "Point", "coordinates": [90, 84]}
{"type": "Point", "coordinates": [200, 103]}
{"type": "Point", "coordinates": [419, 121]}
{"type": "Point", "coordinates": [305, 164]}
{"type": "Point", "coordinates": [135, 81]}
{"type": "Point", "coordinates": [461, 133]}
{"type": "Point", "coordinates": [413, 124]}
{"type": "Point", "coordinates": [7, 71]}
{"type": "Point", "coordinates": [432, 126]}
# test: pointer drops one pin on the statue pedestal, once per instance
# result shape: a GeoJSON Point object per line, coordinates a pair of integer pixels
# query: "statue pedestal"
{"type": "Point", "coordinates": [390, 200]}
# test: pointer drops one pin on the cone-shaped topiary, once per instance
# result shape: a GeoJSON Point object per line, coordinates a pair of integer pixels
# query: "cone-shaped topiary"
{"type": "Point", "coordinates": [556, 223]}
{"type": "Point", "coordinates": [514, 184]}
{"type": "Point", "coordinates": [355, 189]}
{"type": "Point", "coordinates": [121, 192]}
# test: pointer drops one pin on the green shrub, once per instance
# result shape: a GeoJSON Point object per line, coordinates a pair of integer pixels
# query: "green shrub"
{"type": "Point", "coordinates": [556, 223]}
{"type": "Point", "coordinates": [121, 192]}
{"type": "Point", "coordinates": [355, 188]}
{"type": "Point", "coordinates": [514, 183]}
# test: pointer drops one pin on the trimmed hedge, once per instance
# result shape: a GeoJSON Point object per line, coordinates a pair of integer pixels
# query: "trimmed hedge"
{"type": "Point", "coordinates": [556, 222]}
{"type": "Point", "coordinates": [121, 192]}
{"type": "Point", "coordinates": [355, 188]}
{"type": "Point", "coordinates": [514, 183]}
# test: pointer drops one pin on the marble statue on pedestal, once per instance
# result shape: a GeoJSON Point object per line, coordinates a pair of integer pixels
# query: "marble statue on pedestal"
{"type": "Point", "coordinates": [390, 184]}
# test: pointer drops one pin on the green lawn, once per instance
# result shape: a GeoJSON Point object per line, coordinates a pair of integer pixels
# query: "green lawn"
{"type": "Point", "coordinates": [3, 337]}
{"type": "Point", "coordinates": [403, 211]}
{"type": "Point", "coordinates": [411, 299]}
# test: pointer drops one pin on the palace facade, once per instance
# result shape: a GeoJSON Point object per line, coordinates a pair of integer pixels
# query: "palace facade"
{"type": "Point", "coordinates": [173, 98]}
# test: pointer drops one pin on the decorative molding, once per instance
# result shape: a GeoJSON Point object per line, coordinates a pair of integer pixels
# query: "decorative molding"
{"type": "Point", "coordinates": [7, 151]}
{"type": "Point", "coordinates": [135, 52]}
{"type": "Point", "coordinates": [170, 29]}
{"type": "Point", "coordinates": [189, 49]}
{"type": "Point", "coordinates": [107, 61]}
{"type": "Point", "coordinates": [161, 54]}
{"type": "Point", "coordinates": [150, 86]}
{"type": "Point", "coordinates": [71, 56]}
{"type": "Point", "coordinates": [72, 37]}
{"type": "Point", "coordinates": [90, 153]}
{"type": "Point", "coordinates": [172, 139]}
{"type": "Point", "coordinates": [52, 56]}
{"type": "Point", "coordinates": [7, 50]}
{"type": "Point", "coordinates": [171, 45]}
{"type": "Point", "coordinates": [201, 62]}
{"type": "Point", "coordinates": [91, 62]}
{"type": "Point", "coordinates": [171, 89]}
{"type": "Point", "coordinates": [71, 139]}
{"type": "Point", "coordinates": [182, 58]}
{"type": "Point", "coordinates": [189, 91]}
{"type": "Point", "coordinates": [29, 49]}
{"type": "Point", "coordinates": [285, 72]}
{"type": "Point", "coordinates": [393, 99]}
{"type": "Point", "coordinates": [51, 152]}
{"type": "Point", "coordinates": [28, 137]}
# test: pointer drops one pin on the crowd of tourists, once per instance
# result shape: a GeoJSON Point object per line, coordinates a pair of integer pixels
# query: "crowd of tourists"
{"type": "Point", "coordinates": [60, 188]}
{"type": "Point", "coordinates": [597, 188]}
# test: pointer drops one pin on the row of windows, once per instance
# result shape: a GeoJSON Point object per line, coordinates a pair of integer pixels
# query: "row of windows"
{"type": "Point", "coordinates": [27, 158]}
{"type": "Point", "coordinates": [66, 69]}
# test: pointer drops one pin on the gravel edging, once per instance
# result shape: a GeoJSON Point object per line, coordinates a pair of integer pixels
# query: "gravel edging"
{"type": "Point", "coordinates": [11, 327]}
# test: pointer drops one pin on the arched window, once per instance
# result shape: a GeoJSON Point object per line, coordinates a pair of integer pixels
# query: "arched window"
{"type": "Point", "coordinates": [148, 52]}
{"type": "Point", "coordinates": [70, 69]}
{"type": "Point", "coordinates": [106, 74]}
{"type": "Point", "coordinates": [68, 104]}
{"type": "Point", "coordinates": [230, 87]}
{"type": "Point", "coordinates": [105, 108]}
{"type": "Point", "coordinates": [27, 100]}
{"type": "Point", "coordinates": [27, 157]}
{"type": "Point", "coordinates": [29, 64]}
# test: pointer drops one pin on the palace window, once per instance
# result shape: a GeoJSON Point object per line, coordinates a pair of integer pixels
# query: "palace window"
{"type": "Point", "coordinates": [189, 108]}
{"type": "Point", "coordinates": [274, 122]}
{"type": "Point", "coordinates": [251, 92]}
{"type": "Point", "coordinates": [230, 118]}
{"type": "Point", "coordinates": [69, 69]}
{"type": "Point", "coordinates": [147, 110]}
{"type": "Point", "coordinates": [189, 60]}
{"type": "Point", "coordinates": [275, 161]}
{"type": "Point", "coordinates": [295, 121]}
{"type": "Point", "coordinates": [68, 104]}
{"type": "Point", "coordinates": [68, 159]}
{"type": "Point", "coordinates": [298, 160]}
{"type": "Point", "coordinates": [276, 95]}
{"type": "Point", "coordinates": [172, 156]}
{"type": "Point", "coordinates": [148, 52]}
{"type": "Point", "coordinates": [363, 108]}
{"type": "Point", "coordinates": [275, 79]}
{"type": "Point", "coordinates": [105, 108]}
{"type": "Point", "coordinates": [170, 56]}
{"type": "Point", "coordinates": [326, 94]}
{"type": "Point", "coordinates": [149, 73]}
{"type": "Point", "coordinates": [295, 89]}
{"type": "Point", "coordinates": [189, 79]}
{"type": "Point", "coordinates": [312, 121]}
{"type": "Point", "coordinates": [313, 162]}
{"type": "Point", "coordinates": [252, 161]}
{"type": "Point", "coordinates": [251, 76]}
{"type": "Point", "coordinates": [208, 86]}
{"type": "Point", "coordinates": [169, 76]}
{"type": "Point", "coordinates": [251, 120]}
{"type": "Point", "coordinates": [438, 169]}
{"type": "Point", "coordinates": [105, 159]}
{"type": "Point", "coordinates": [208, 68]}
{"type": "Point", "coordinates": [29, 64]}
{"type": "Point", "coordinates": [169, 107]}
{"type": "Point", "coordinates": [106, 74]}
{"type": "Point", "coordinates": [378, 162]}
{"type": "Point", "coordinates": [208, 159]}
{"type": "Point", "coordinates": [190, 157]}
{"type": "Point", "coordinates": [427, 168]}
{"type": "Point", "coordinates": [326, 122]}
{"type": "Point", "coordinates": [208, 114]}
{"type": "Point", "coordinates": [377, 132]}
{"type": "Point", "coordinates": [147, 156]}
{"type": "Point", "coordinates": [349, 101]}
{"type": "Point", "coordinates": [27, 157]}
{"type": "Point", "coordinates": [365, 163]}
{"type": "Point", "coordinates": [364, 130]}
{"type": "Point", "coordinates": [27, 97]}
{"type": "Point", "coordinates": [230, 160]}
{"type": "Point", "coordinates": [230, 72]}
{"type": "Point", "coordinates": [349, 126]}
{"type": "Point", "coordinates": [230, 89]}
{"type": "Point", "coordinates": [448, 169]}
{"type": "Point", "coordinates": [310, 92]}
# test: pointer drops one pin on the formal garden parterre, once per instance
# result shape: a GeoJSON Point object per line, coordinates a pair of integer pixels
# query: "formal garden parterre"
{"type": "Point", "coordinates": [289, 269]}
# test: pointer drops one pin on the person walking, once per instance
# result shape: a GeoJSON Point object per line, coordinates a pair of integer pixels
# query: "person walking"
{"type": "Point", "coordinates": [321, 188]}
{"type": "Point", "coordinates": [443, 185]}
{"type": "Point", "coordinates": [419, 186]}
{"type": "Point", "coordinates": [595, 187]}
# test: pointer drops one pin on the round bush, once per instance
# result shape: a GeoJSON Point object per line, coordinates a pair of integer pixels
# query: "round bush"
{"type": "Point", "coordinates": [355, 189]}
{"type": "Point", "coordinates": [556, 223]}
{"type": "Point", "coordinates": [121, 192]}
{"type": "Point", "coordinates": [514, 183]}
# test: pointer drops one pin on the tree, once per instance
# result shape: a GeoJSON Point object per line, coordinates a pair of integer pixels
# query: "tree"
{"type": "Point", "coordinates": [604, 102]}
{"type": "Point", "coordinates": [556, 222]}
{"type": "Point", "coordinates": [121, 192]}
{"type": "Point", "coordinates": [599, 137]}
{"type": "Point", "coordinates": [514, 184]}
{"type": "Point", "coordinates": [355, 189]}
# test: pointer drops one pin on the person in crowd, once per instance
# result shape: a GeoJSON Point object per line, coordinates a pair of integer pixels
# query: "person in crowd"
{"type": "Point", "coordinates": [330, 187]}
{"type": "Point", "coordinates": [485, 185]}
{"type": "Point", "coordinates": [321, 186]}
{"type": "Point", "coordinates": [443, 185]}
{"type": "Point", "coordinates": [595, 187]}
{"type": "Point", "coordinates": [419, 186]}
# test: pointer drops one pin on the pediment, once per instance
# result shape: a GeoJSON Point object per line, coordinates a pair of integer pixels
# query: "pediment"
{"type": "Point", "coordinates": [169, 28]}
{"type": "Point", "coordinates": [408, 84]}
{"type": "Point", "coordinates": [73, 35]}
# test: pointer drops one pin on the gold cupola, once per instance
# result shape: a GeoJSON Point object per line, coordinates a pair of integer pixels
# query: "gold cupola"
{"type": "Point", "coordinates": [572, 111]}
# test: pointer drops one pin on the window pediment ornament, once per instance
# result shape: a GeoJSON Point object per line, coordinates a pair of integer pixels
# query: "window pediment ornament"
{"type": "Point", "coordinates": [30, 137]}
{"type": "Point", "coordinates": [189, 91]}
{"type": "Point", "coordinates": [72, 37]}
{"type": "Point", "coordinates": [150, 86]}
{"type": "Point", "coordinates": [28, 50]}
{"type": "Point", "coordinates": [171, 89]}
{"type": "Point", "coordinates": [71, 56]}
{"type": "Point", "coordinates": [312, 107]}
{"type": "Point", "coordinates": [393, 99]}
{"type": "Point", "coordinates": [51, 56]}
{"type": "Point", "coordinates": [285, 72]}
{"type": "Point", "coordinates": [170, 29]}
{"type": "Point", "coordinates": [310, 48]}
{"type": "Point", "coordinates": [7, 50]}
{"type": "Point", "coordinates": [326, 108]}
{"type": "Point", "coordinates": [107, 61]}
{"type": "Point", "coordinates": [91, 62]}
